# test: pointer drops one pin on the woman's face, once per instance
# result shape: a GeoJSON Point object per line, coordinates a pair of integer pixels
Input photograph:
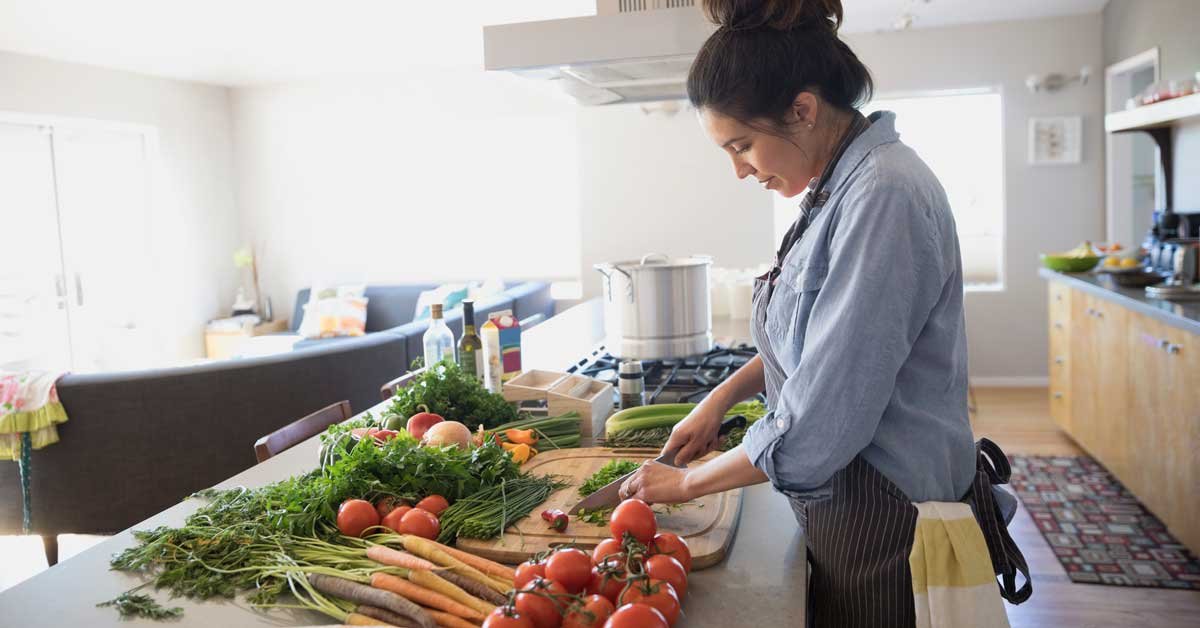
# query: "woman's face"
{"type": "Point", "coordinates": [775, 162]}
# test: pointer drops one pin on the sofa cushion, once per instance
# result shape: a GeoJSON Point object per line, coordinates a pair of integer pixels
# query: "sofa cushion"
{"type": "Point", "coordinates": [387, 306]}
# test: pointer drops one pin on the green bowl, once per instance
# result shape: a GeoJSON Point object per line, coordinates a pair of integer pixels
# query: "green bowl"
{"type": "Point", "coordinates": [1065, 264]}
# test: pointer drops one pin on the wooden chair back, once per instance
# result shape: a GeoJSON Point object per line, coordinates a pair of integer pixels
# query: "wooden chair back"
{"type": "Point", "coordinates": [289, 435]}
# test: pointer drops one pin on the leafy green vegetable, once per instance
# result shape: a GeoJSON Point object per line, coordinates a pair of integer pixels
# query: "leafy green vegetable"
{"type": "Point", "coordinates": [455, 395]}
{"type": "Point", "coordinates": [486, 514]}
{"type": "Point", "coordinates": [608, 473]}
{"type": "Point", "coordinates": [130, 604]}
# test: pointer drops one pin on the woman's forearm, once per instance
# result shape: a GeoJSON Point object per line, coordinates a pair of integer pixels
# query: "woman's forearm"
{"type": "Point", "coordinates": [730, 470]}
{"type": "Point", "coordinates": [745, 382]}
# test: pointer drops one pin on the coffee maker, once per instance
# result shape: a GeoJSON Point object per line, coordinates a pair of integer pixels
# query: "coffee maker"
{"type": "Point", "coordinates": [1173, 249]}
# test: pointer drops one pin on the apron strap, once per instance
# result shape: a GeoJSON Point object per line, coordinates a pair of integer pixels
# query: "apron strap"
{"type": "Point", "coordinates": [1007, 560]}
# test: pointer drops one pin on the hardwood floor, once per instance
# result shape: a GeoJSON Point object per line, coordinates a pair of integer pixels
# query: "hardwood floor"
{"type": "Point", "coordinates": [1018, 419]}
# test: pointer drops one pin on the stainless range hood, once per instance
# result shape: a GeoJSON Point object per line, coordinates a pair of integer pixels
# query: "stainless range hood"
{"type": "Point", "coordinates": [630, 51]}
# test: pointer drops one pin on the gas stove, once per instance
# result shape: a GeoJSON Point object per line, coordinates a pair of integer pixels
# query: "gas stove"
{"type": "Point", "coordinates": [680, 380]}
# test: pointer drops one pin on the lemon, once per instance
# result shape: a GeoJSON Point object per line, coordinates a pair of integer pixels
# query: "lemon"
{"type": "Point", "coordinates": [1112, 262]}
{"type": "Point", "coordinates": [1129, 262]}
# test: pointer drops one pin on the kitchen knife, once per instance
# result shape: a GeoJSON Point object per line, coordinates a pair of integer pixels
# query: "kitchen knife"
{"type": "Point", "coordinates": [609, 494]}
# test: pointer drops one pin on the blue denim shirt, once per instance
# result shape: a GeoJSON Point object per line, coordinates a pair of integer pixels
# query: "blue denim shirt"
{"type": "Point", "coordinates": [866, 334]}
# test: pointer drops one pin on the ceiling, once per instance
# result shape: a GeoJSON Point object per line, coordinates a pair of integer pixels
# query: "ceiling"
{"type": "Point", "coordinates": [248, 42]}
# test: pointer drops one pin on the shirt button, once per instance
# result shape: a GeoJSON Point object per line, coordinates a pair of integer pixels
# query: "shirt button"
{"type": "Point", "coordinates": [779, 423]}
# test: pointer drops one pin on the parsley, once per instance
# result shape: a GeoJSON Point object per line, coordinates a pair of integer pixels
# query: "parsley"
{"type": "Point", "coordinates": [454, 395]}
{"type": "Point", "coordinates": [608, 473]}
{"type": "Point", "coordinates": [130, 604]}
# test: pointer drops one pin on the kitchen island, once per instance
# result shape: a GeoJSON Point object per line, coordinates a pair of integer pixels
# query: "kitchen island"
{"type": "Point", "coordinates": [761, 581]}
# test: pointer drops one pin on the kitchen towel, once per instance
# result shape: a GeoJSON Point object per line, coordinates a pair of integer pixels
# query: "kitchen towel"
{"type": "Point", "coordinates": [952, 579]}
{"type": "Point", "coordinates": [29, 412]}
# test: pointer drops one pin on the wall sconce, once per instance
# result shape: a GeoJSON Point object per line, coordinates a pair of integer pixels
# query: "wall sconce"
{"type": "Point", "coordinates": [1055, 81]}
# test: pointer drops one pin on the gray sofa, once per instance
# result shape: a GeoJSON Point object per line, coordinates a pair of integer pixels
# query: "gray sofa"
{"type": "Point", "coordinates": [138, 442]}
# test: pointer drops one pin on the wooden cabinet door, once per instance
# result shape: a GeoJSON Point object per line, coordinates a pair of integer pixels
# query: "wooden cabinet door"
{"type": "Point", "coordinates": [1083, 352]}
{"type": "Point", "coordinates": [1149, 436]}
{"type": "Point", "coordinates": [1110, 370]}
{"type": "Point", "coordinates": [1059, 369]}
{"type": "Point", "coordinates": [1181, 419]}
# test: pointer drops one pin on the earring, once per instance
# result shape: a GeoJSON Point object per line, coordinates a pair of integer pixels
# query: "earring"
{"type": "Point", "coordinates": [810, 126]}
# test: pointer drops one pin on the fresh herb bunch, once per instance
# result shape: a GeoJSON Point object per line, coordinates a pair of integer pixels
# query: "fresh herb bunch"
{"type": "Point", "coordinates": [609, 472]}
{"type": "Point", "coordinates": [487, 513]}
{"type": "Point", "coordinates": [445, 389]}
{"type": "Point", "coordinates": [130, 604]}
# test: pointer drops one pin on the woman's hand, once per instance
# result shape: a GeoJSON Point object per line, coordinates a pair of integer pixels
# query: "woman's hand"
{"type": "Point", "coordinates": [657, 483]}
{"type": "Point", "coordinates": [696, 434]}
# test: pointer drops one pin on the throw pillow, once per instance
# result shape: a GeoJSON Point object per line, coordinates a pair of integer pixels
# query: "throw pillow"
{"type": "Point", "coordinates": [330, 312]}
{"type": "Point", "coordinates": [450, 295]}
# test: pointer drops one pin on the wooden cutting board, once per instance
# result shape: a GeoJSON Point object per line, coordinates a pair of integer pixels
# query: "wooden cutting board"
{"type": "Point", "coordinates": [707, 523]}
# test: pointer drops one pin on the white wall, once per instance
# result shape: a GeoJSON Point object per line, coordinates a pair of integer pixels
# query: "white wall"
{"type": "Point", "coordinates": [655, 183]}
{"type": "Point", "coordinates": [451, 176]}
{"type": "Point", "coordinates": [195, 229]}
{"type": "Point", "coordinates": [1047, 208]}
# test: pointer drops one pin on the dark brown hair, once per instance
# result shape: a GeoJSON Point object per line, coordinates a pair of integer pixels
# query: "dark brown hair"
{"type": "Point", "coordinates": [768, 51]}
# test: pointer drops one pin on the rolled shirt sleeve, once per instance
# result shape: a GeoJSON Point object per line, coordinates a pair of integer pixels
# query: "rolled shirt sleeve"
{"type": "Point", "coordinates": [885, 274]}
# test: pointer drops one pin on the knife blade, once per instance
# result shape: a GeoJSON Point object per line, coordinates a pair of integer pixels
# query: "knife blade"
{"type": "Point", "coordinates": [609, 494]}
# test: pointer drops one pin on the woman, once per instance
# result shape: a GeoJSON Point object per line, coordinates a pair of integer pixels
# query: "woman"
{"type": "Point", "coordinates": [859, 325]}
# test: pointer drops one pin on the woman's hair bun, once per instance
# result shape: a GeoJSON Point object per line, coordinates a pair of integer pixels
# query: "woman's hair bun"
{"type": "Point", "coordinates": [778, 14]}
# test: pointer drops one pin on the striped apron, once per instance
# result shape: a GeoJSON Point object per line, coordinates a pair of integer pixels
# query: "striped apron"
{"type": "Point", "coordinates": [859, 537]}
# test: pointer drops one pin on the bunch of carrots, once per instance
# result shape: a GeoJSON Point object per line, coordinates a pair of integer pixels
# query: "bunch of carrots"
{"type": "Point", "coordinates": [425, 584]}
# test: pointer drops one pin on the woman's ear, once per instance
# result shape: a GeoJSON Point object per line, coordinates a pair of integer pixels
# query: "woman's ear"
{"type": "Point", "coordinates": [803, 111]}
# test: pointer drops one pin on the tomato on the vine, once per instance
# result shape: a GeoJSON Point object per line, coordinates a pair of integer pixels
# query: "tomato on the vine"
{"type": "Point", "coordinates": [506, 617]}
{"type": "Point", "coordinates": [635, 517]}
{"type": "Point", "coordinates": [637, 616]}
{"type": "Point", "coordinates": [673, 546]}
{"type": "Point", "coordinates": [594, 611]}
{"type": "Point", "coordinates": [571, 568]}
{"type": "Point", "coordinates": [538, 601]}
{"type": "Point", "coordinates": [604, 549]}
{"type": "Point", "coordinates": [666, 568]}
{"type": "Point", "coordinates": [655, 593]}
{"type": "Point", "coordinates": [527, 571]}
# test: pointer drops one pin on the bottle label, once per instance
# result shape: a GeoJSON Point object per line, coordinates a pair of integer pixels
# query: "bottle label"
{"type": "Point", "coordinates": [469, 361]}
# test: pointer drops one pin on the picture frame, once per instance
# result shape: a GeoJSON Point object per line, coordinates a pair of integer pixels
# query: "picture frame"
{"type": "Point", "coordinates": [1055, 140]}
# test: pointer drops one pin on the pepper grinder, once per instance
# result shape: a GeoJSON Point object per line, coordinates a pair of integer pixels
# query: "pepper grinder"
{"type": "Point", "coordinates": [631, 384]}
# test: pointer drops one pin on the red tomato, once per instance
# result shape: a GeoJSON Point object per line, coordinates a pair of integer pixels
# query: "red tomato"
{"type": "Point", "coordinates": [636, 616]}
{"type": "Point", "coordinates": [571, 568]}
{"type": "Point", "coordinates": [393, 519]}
{"type": "Point", "coordinates": [655, 593]}
{"type": "Point", "coordinates": [669, 570]}
{"type": "Point", "coordinates": [605, 548]}
{"type": "Point", "coordinates": [356, 515]}
{"type": "Point", "coordinates": [387, 504]}
{"type": "Point", "coordinates": [434, 504]}
{"type": "Point", "coordinates": [526, 572]}
{"type": "Point", "coordinates": [538, 602]}
{"type": "Point", "coordinates": [420, 523]}
{"type": "Point", "coordinates": [506, 617]}
{"type": "Point", "coordinates": [594, 611]}
{"type": "Point", "coordinates": [673, 546]}
{"type": "Point", "coordinates": [635, 517]}
{"type": "Point", "coordinates": [608, 578]}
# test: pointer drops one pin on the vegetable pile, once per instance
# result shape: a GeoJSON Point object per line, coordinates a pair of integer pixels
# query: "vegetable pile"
{"type": "Point", "coordinates": [636, 579]}
{"type": "Point", "coordinates": [345, 524]}
{"type": "Point", "coordinates": [650, 426]}
{"type": "Point", "coordinates": [446, 390]}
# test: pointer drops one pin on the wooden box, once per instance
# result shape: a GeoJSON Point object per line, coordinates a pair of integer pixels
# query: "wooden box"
{"type": "Point", "coordinates": [532, 385]}
{"type": "Point", "coordinates": [591, 398]}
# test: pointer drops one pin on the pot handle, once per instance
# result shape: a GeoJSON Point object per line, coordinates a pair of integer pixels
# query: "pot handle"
{"type": "Point", "coordinates": [606, 270]}
{"type": "Point", "coordinates": [650, 255]}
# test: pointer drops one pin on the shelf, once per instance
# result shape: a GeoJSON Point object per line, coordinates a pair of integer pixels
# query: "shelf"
{"type": "Point", "coordinates": [1159, 115]}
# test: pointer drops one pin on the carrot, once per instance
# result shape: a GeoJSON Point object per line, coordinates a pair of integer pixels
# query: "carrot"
{"type": "Point", "coordinates": [431, 550]}
{"type": "Point", "coordinates": [446, 620]}
{"type": "Point", "coordinates": [384, 615]}
{"type": "Point", "coordinates": [438, 584]}
{"type": "Point", "coordinates": [423, 596]}
{"type": "Point", "coordinates": [477, 589]}
{"type": "Point", "coordinates": [355, 619]}
{"type": "Point", "coordinates": [488, 567]}
{"type": "Point", "coordinates": [363, 594]}
{"type": "Point", "coordinates": [388, 556]}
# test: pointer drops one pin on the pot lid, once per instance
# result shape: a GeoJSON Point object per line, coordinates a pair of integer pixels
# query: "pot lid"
{"type": "Point", "coordinates": [654, 261]}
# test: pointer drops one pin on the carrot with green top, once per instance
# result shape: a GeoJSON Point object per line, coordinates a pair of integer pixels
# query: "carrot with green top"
{"type": "Point", "coordinates": [421, 595]}
{"type": "Point", "coordinates": [363, 594]}
{"type": "Point", "coordinates": [446, 620]}
{"type": "Point", "coordinates": [431, 550]}
{"type": "Point", "coordinates": [491, 568]}
{"type": "Point", "coordinates": [385, 555]}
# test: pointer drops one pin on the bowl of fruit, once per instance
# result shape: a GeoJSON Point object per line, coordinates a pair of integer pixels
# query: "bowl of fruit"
{"type": "Point", "coordinates": [1078, 260]}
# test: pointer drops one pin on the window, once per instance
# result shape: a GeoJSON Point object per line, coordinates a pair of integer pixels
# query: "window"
{"type": "Point", "coordinates": [969, 165]}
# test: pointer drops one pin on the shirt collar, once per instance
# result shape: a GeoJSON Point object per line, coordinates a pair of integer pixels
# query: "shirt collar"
{"type": "Point", "coordinates": [882, 131]}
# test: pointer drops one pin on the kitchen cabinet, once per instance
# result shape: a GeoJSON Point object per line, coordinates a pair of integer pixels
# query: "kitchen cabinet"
{"type": "Point", "coordinates": [1123, 385]}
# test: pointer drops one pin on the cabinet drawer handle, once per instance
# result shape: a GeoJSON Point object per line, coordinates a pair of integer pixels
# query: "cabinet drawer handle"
{"type": "Point", "coordinates": [1058, 297]}
{"type": "Point", "coordinates": [1164, 344]}
{"type": "Point", "coordinates": [1058, 395]}
{"type": "Point", "coordinates": [1173, 349]}
{"type": "Point", "coordinates": [1058, 325]}
{"type": "Point", "coordinates": [1059, 360]}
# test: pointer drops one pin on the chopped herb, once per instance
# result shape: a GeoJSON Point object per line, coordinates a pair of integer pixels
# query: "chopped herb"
{"type": "Point", "coordinates": [130, 604]}
{"type": "Point", "coordinates": [607, 474]}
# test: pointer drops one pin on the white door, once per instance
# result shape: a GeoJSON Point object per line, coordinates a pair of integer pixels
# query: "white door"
{"type": "Point", "coordinates": [103, 184]}
{"type": "Point", "coordinates": [34, 325]}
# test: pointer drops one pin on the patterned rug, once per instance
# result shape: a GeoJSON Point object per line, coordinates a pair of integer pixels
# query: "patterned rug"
{"type": "Point", "coordinates": [1099, 531]}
